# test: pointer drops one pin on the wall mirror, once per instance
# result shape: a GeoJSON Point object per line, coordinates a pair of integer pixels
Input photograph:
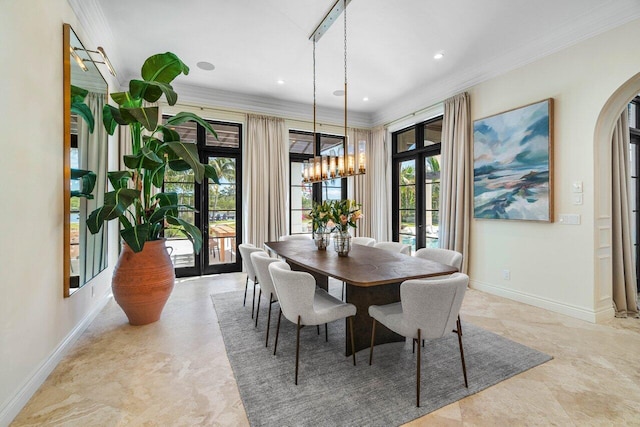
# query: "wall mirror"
{"type": "Point", "coordinates": [85, 163]}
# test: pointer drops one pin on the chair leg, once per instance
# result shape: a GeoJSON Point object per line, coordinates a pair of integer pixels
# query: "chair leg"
{"type": "Point", "coordinates": [275, 347]}
{"type": "Point", "coordinates": [353, 342]}
{"type": "Point", "coordinates": [418, 373]}
{"type": "Point", "coordinates": [326, 333]}
{"type": "Point", "coordinates": [266, 343]}
{"type": "Point", "coordinates": [246, 285]}
{"type": "Point", "coordinates": [258, 309]}
{"type": "Point", "coordinates": [297, 348]}
{"type": "Point", "coordinates": [318, 328]}
{"type": "Point", "coordinates": [373, 339]}
{"type": "Point", "coordinates": [343, 293]}
{"type": "Point", "coordinates": [253, 305]}
{"type": "Point", "coordinates": [464, 366]}
{"type": "Point", "coordinates": [459, 325]}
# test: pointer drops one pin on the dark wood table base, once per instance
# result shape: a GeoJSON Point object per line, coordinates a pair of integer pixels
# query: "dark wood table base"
{"type": "Point", "coordinates": [362, 298]}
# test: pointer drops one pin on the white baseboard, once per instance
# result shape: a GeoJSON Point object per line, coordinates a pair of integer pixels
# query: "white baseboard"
{"type": "Point", "coordinates": [551, 305]}
{"type": "Point", "coordinates": [12, 408]}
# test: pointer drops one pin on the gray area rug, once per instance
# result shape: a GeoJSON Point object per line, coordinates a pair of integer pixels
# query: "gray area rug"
{"type": "Point", "coordinates": [333, 392]}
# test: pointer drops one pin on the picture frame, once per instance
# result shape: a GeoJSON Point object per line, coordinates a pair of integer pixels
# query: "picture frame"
{"type": "Point", "coordinates": [513, 164]}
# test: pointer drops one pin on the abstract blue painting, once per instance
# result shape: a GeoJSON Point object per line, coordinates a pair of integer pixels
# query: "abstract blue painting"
{"type": "Point", "coordinates": [513, 164]}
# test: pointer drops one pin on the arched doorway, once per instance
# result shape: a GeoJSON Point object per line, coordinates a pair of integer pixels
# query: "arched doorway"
{"type": "Point", "coordinates": [609, 114]}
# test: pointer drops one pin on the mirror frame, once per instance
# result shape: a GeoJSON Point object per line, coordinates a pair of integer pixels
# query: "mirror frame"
{"type": "Point", "coordinates": [67, 32]}
{"type": "Point", "coordinates": [66, 159]}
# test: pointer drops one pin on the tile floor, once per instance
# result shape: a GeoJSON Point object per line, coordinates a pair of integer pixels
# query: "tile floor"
{"type": "Point", "coordinates": [175, 372]}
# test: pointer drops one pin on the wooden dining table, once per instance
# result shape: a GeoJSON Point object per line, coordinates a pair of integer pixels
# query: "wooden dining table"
{"type": "Point", "coordinates": [373, 277]}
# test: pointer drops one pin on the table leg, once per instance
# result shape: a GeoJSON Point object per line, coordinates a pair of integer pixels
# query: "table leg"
{"type": "Point", "coordinates": [223, 249]}
{"type": "Point", "coordinates": [362, 298]}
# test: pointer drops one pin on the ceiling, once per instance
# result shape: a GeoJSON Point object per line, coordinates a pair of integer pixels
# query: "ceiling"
{"type": "Point", "coordinates": [391, 44]}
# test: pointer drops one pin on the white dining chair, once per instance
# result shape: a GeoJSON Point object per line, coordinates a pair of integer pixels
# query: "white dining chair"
{"type": "Point", "coordinates": [394, 247]}
{"type": "Point", "coordinates": [443, 256]}
{"type": "Point", "coordinates": [427, 310]}
{"type": "Point", "coordinates": [364, 241]}
{"type": "Point", "coordinates": [295, 237]}
{"type": "Point", "coordinates": [246, 249]}
{"type": "Point", "coordinates": [304, 304]}
{"type": "Point", "coordinates": [261, 262]}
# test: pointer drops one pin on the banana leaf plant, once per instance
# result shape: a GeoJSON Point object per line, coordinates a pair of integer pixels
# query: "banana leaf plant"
{"type": "Point", "coordinates": [85, 178]}
{"type": "Point", "coordinates": [137, 201]}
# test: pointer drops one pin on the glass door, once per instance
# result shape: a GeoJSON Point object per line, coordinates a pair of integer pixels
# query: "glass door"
{"type": "Point", "coordinates": [217, 206]}
{"type": "Point", "coordinates": [220, 223]}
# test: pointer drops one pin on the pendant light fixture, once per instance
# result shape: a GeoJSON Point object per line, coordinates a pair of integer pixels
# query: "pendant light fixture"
{"type": "Point", "coordinates": [351, 158]}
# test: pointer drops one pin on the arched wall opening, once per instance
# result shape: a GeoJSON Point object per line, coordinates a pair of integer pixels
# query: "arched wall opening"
{"type": "Point", "coordinates": [603, 265]}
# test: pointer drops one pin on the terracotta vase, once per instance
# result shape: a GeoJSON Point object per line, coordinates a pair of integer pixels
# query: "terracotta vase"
{"type": "Point", "coordinates": [143, 281]}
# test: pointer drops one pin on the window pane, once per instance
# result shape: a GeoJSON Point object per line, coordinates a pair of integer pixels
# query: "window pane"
{"type": "Point", "coordinates": [228, 136]}
{"type": "Point", "coordinates": [329, 145]}
{"type": "Point", "coordinates": [408, 222]}
{"type": "Point", "coordinates": [407, 172]}
{"type": "Point", "coordinates": [188, 131]}
{"type": "Point", "coordinates": [407, 140]}
{"type": "Point", "coordinates": [408, 197]}
{"type": "Point", "coordinates": [433, 133]}
{"type": "Point", "coordinates": [222, 210]}
{"type": "Point", "coordinates": [301, 143]}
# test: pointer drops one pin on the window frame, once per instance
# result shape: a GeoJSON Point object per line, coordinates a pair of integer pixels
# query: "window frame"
{"type": "Point", "coordinates": [419, 154]}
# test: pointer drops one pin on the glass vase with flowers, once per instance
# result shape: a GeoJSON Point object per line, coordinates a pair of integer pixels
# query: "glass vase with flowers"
{"type": "Point", "coordinates": [320, 216]}
{"type": "Point", "coordinates": [344, 214]}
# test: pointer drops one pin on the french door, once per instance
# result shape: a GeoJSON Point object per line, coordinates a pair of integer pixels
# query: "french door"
{"type": "Point", "coordinates": [416, 184]}
{"type": "Point", "coordinates": [217, 207]}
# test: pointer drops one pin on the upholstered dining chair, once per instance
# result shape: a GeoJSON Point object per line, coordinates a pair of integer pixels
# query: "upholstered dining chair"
{"type": "Point", "coordinates": [246, 249]}
{"type": "Point", "coordinates": [443, 256]}
{"type": "Point", "coordinates": [364, 241]}
{"type": "Point", "coordinates": [394, 247]}
{"type": "Point", "coordinates": [304, 304]}
{"type": "Point", "coordinates": [295, 237]}
{"type": "Point", "coordinates": [427, 310]}
{"type": "Point", "coordinates": [261, 262]}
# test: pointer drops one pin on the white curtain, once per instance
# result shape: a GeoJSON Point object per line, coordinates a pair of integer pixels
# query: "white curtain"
{"type": "Point", "coordinates": [379, 172]}
{"type": "Point", "coordinates": [265, 180]}
{"type": "Point", "coordinates": [92, 149]}
{"type": "Point", "coordinates": [359, 188]}
{"type": "Point", "coordinates": [624, 274]}
{"type": "Point", "coordinates": [456, 176]}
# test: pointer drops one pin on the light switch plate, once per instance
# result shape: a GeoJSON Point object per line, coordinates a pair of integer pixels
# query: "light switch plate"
{"type": "Point", "coordinates": [577, 186]}
{"type": "Point", "coordinates": [577, 199]}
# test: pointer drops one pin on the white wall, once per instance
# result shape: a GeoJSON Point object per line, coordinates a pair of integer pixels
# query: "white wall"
{"type": "Point", "coordinates": [552, 265]}
{"type": "Point", "coordinates": [36, 323]}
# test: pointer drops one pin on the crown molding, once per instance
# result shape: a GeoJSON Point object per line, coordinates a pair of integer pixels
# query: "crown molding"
{"type": "Point", "coordinates": [268, 106]}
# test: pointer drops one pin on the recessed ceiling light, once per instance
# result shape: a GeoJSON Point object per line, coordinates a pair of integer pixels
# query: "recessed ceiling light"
{"type": "Point", "coordinates": [207, 66]}
{"type": "Point", "coordinates": [338, 92]}
{"type": "Point", "coordinates": [280, 81]}
{"type": "Point", "coordinates": [365, 99]}
{"type": "Point", "coordinates": [438, 55]}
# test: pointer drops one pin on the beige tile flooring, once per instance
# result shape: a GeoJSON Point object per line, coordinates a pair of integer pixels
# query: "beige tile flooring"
{"type": "Point", "coordinates": [175, 372]}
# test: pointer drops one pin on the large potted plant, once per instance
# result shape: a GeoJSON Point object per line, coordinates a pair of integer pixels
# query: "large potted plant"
{"type": "Point", "coordinates": [144, 276]}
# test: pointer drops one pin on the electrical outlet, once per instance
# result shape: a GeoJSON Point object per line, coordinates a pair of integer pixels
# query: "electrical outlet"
{"type": "Point", "coordinates": [93, 292]}
{"type": "Point", "coordinates": [506, 275]}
